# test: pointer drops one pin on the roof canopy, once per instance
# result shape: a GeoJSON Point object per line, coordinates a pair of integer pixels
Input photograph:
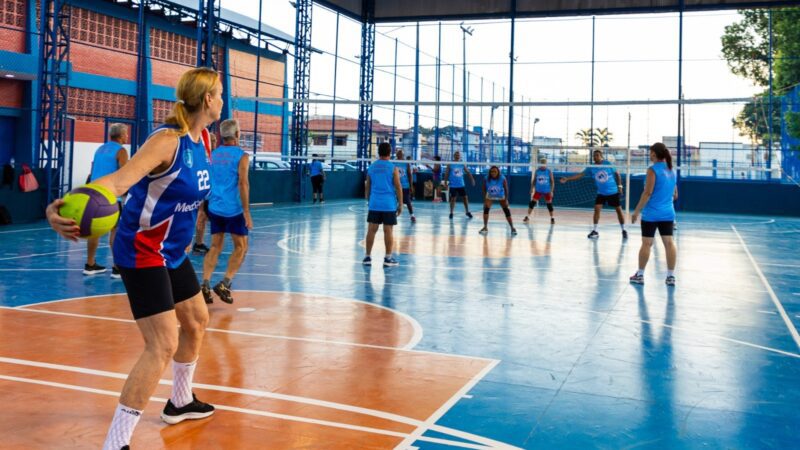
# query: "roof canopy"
{"type": "Point", "coordinates": [422, 10]}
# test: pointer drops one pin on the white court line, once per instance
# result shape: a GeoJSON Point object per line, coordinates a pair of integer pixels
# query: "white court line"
{"type": "Point", "coordinates": [255, 393]}
{"type": "Point", "coordinates": [32, 255]}
{"type": "Point", "coordinates": [775, 301]}
{"type": "Point", "coordinates": [42, 270]}
{"type": "Point", "coordinates": [23, 231]}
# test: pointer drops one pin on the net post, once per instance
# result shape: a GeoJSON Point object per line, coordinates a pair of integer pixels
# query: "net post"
{"type": "Point", "coordinates": [628, 184]}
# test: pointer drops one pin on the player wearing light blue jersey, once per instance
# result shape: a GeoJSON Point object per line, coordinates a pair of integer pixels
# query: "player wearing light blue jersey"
{"type": "Point", "coordinates": [317, 173]}
{"type": "Point", "coordinates": [107, 159]}
{"type": "Point", "coordinates": [542, 185]}
{"type": "Point", "coordinates": [385, 198]}
{"type": "Point", "coordinates": [454, 177]}
{"type": "Point", "coordinates": [495, 188]}
{"type": "Point", "coordinates": [657, 208]}
{"type": "Point", "coordinates": [609, 190]}
{"type": "Point", "coordinates": [166, 182]}
{"type": "Point", "coordinates": [228, 210]}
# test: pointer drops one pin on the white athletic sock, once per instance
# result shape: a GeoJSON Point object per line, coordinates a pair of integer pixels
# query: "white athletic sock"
{"type": "Point", "coordinates": [121, 429]}
{"type": "Point", "coordinates": [622, 225]}
{"type": "Point", "coordinates": [594, 227]}
{"type": "Point", "coordinates": [182, 374]}
{"type": "Point", "coordinates": [640, 273]}
{"type": "Point", "coordinates": [670, 273]}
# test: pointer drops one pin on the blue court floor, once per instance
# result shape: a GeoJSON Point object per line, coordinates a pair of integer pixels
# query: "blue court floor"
{"type": "Point", "coordinates": [585, 359]}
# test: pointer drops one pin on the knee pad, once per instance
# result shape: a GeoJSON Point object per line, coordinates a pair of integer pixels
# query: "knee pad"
{"type": "Point", "coordinates": [507, 212]}
{"type": "Point", "coordinates": [532, 204]}
{"type": "Point", "coordinates": [550, 207]}
{"type": "Point", "coordinates": [486, 210]}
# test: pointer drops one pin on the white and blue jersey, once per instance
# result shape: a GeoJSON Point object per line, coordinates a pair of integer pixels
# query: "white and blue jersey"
{"type": "Point", "coordinates": [316, 168]}
{"type": "Point", "coordinates": [158, 219]}
{"type": "Point", "coordinates": [105, 160]}
{"type": "Point", "coordinates": [495, 189]}
{"type": "Point", "coordinates": [456, 177]}
{"type": "Point", "coordinates": [224, 199]}
{"type": "Point", "coordinates": [660, 207]}
{"type": "Point", "coordinates": [402, 169]}
{"type": "Point", "coordinates": [542, 179]}
{"type": "Point", "coordinates": [382, 196]}
{"type": "Point", "coordinates": [603, 178]}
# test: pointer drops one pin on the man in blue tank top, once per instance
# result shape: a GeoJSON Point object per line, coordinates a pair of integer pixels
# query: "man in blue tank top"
{"type": "Point", "coordinates": [542, 185]}
{"type": "Point", "coordinates": [107, 159]}
{"type": "Point", "coordinates": [454, 178]}
{"type": "Point", "coordinates": [228, 209]}
{"type": "Point", "coordinates": [406, 182]}
{"type": "Point", "coordinates": [609, 190]}
{"type": "Point", "coordinates": [385, 197]}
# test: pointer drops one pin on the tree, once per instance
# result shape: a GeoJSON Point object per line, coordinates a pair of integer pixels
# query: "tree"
{"type": "Point", "coordinates": [600, 137]}
{"type": "Point", "coordinates": [745, 46]}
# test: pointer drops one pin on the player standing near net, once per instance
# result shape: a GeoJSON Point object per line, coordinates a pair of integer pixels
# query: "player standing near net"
{"type": "Point", "coordinates": [385, 198]}
{"type": "Point", "coordinates": [454, 176]}
{"type": "Point", "coordinates": [542, 185]}
{"type": "Point", "coordinates": [166, 181]}
{"type": "Point", "coordinates": [228, 209]}
{"type": "Point", "coordinates": [609, 190]}
{"type": "Point", "coordinates": [658, 211]}
{"type": "Point", "coordinates": [404, 171]}
{"type": "Point", "coordinates": [495, 188]}
{"type": "Point", "coordinates": [317, 172]}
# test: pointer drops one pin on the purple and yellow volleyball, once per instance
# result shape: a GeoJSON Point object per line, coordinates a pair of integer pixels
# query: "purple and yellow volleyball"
{"type": "Point", "coordinates": [93, 207]}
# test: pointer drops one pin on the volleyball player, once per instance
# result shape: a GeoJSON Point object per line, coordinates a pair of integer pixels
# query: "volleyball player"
{"type": "Point", "coordinates": [385, 198]}
{"type": "Point", "coordinates": [454, 176]}
{"type": "Point", "coordinates": [166, 181]}
{"type": "Point", "coordinates": [495, 188]}
{"type": "Point", "coordinates": [658, 211]}
{"type": "Point", "coordinates": [609, 190]}
{"type": "Point", "coordinates": [228, 210]}
{"type": "Point", "coordinates": [406, 182]}
{"type": "Point", "coordinates": [317, 179]}
{"type": "Point", "coordinates": [542, 185]}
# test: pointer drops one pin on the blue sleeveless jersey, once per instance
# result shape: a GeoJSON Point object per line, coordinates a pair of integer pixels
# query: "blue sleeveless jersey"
{"type": "Point", "coordinates": [542, 179]}
{"type": "Point", "coordinates": [660, 207]}
{"type": "Point", "coordinates": [157, 221]}
{"type": "Point", "coordinates": [603, 178]}
{"type": "Point", "coordinates": [495, 189]}
{"type": "Point", "coordinates": [105, 160]}
{"type": "Point", "coordinates": [402, 168]}
{"type": "Point", "coordinates": [382, 196]}
{"type": "Point", "coordinates": [316, 167]}
{"type": "Point", "coordinates": [456, 177]}
{"type": "Point", "coordinates": [224, 199]}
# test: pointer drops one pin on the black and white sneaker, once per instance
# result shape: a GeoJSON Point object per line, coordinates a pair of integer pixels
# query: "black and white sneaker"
{"type": "Point", "coordinates": [552, 221]}
{"type": "Point", "coordinates": [367, 261]}
{"type": "Point", "coordinates": [624, 234]}
{"type": "Point", "coordinates": [483, 231]}
{"type": "Point", "coordinates": [223, 292]}
{"type": "Point", "coordinates": [593, 235]}
{"type": "Point", "coordinates": [194, 410]}
{"type": "Point", "coordinates": [115, 272]}
{"type": "Point", "coordinates": [93, 269]}
{"type": "Point", "coordinates": [451, 216]}
{"type": "Point", "coordinates": [526, 219]}
{"type": "Point", "coordinates": [206, 290]}
{"type": "Point", "coordinates": [200, 249]}
{"type": "Point", "coordinates": [469, 215]}
{"type": "Point", "coordinates": [390, 262]}
{"type": "Point", "coordinates": [513, 231]}
{"type": "Point", "coordinates": [670, 281]}
{"type": "Point", "coordinates": [637, 279]}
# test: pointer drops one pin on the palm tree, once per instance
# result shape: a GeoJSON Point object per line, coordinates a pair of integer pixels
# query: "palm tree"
{"type": "Point", "coordinates": [598, 137]}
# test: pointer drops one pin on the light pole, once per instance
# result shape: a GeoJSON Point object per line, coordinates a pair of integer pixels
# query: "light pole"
{"type": "Point", "coordinates": [533, 139]}
{"type": "Point", "coordinates": [464, 136]}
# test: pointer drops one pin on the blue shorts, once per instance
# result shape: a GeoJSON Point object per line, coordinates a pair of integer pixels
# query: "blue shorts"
{"type": "Point", "coordinates": [230, 225]}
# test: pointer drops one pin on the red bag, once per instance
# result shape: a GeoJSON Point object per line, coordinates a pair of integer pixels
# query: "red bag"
{"type": "Point", "coordinates": [27, 181]}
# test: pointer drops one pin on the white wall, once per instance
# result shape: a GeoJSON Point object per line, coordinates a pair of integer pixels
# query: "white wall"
{"type": "Point", "coordinates": [82, 156]}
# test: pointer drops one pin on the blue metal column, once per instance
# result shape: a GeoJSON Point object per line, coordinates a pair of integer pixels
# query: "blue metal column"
{"type": "Point", "coordinates": [394, 96]}
{"type": "Point", "coordinates": [142, 126]}
{"type": "Point", "coordinates": [335, 71]}
{"type": "Point", "coordinates": [680, 92]}
{"type": "Point", "coordinates": [207, 31]}
{"type": "Point", "coordinates": [366, 78]}
{"type": "Point", "coordinates": [302, 79]}
{"type": "Point", "coordinates": [438, 88]}
{"type": "Point", "coordinates": [416, 99]}
{"type": "Point", "coordinates": [771, 112]}
{"type": "Point", "coordinates": [258, 81]}
{"type": "Point", "coordinates": [511, 86]}
{"type": "Point", "coordinates": [591, 110]}
{"type": "Point", "coordinates": [54, 78]}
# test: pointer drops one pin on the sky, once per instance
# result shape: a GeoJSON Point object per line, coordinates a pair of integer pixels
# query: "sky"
{"type": "Point", "coordinates": [636, 59]}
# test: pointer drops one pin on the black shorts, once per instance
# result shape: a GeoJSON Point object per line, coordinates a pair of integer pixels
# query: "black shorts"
{"type": "Point", "coordinates": [316, 183]}
{"type": "Point", "coordinates": [153, 290]}
{"type": "Point", "coordinates": [406, 196]}
{"type": "Point", "coordinates": [231, 225]}
{"type": "Point", "coordinates": [458, 192]}
{"type": "Point", "coordinates": [610, 200]}
{"type": "Point", "coordinates": [382, 217]}
{"type": "Point", "coordinates": [664, 228]}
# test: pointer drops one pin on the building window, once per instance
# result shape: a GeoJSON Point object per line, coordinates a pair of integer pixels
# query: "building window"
{"type": "Point", "coordinates": [340, 141]}
{"type": "Point", "coordinates": [104, 31]}
{"type": "Point", "coordinates": [319, 140]}
{"type": "Point", "coordinates": [12, 13]}
{"type": "Point", "coordinates": [96, 106]}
